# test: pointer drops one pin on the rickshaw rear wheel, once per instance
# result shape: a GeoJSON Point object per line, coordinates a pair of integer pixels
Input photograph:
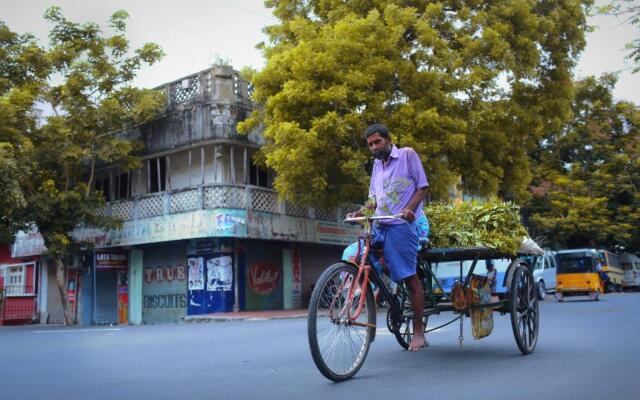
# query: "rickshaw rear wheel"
{"type": "Point", "coordinates": [524, 309]}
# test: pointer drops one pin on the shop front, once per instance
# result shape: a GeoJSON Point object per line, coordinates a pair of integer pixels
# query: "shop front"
{"type": "Point", "coordinates": [211, 274]}
{"type": "Point", "coordinates": [164, 284]}
{"type": "Point", "coordinates": [111, 287]}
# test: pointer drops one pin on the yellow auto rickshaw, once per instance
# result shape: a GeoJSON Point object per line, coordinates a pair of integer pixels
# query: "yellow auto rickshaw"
{"type": "Point", "coordinates": [578, 274]}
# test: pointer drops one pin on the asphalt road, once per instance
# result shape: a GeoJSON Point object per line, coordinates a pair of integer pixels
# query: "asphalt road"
{"type": "Point", "coordinates": [586, 350]}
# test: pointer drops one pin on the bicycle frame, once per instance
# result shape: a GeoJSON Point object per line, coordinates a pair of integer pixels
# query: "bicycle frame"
{"type": "Point", "coordinates": [365, 276]}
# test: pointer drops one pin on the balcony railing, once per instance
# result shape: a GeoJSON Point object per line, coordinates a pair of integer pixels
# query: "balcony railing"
{"type": "Point", "coordinates": [216, 196]}
{"type": "Point", "coordinates": [201, 86]}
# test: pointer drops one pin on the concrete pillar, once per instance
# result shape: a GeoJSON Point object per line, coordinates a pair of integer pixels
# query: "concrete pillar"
{"type": "Point", "coordinates": [287, 279]}
{"type": "Point", "coordinates": [135, 286]}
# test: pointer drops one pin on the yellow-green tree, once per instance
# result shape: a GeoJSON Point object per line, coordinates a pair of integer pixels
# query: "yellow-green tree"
{"type": "Point", "coordinates": [85, 77]}
{"type": "Point", "coordinates": [472, 85]}
{"type": "Point", "coordinates": [587, 180]}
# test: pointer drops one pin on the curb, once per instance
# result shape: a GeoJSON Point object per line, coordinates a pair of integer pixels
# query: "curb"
{"type": "Point", "coordinates": [196, 319]}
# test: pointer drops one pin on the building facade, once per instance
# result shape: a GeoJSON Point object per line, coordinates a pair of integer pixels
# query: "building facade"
{"type": "Point", "coordinates": [18, 288]}
{"type": "Point", "coordinates": [203, 231]}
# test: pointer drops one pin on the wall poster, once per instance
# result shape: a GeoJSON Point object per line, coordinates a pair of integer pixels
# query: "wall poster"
{"type": "Point", "coordinates": [196, 273]}
{"type": "Point", "coordinates": [220, 274]}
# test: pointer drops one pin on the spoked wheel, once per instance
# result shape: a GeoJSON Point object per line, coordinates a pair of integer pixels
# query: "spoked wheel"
{"type": "Point", "coordinates": [338, 345]}
{"type": "Point", "coordinates": [403, 330]}
{"type": "Point", "coordinates": [524, 309]}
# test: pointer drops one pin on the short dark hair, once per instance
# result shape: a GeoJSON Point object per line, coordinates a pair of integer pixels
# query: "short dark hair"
{"type": "Point", "coordinates": [377, 128]}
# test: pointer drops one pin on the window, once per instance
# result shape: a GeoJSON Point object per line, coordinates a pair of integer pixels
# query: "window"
{"type": "Point", "coordinates": [14, 280]}
{"type": "Point", "coordinates": [157, 174]}
{"type": "Point", "coordinates": [576, 263]}
{"type": "Point", "coordinates": [104, 185]}
{"type": "Point", "coordinates": [614, 261]}
{"type": "Point", "coordinates": [123, 186]}
{"type": "Point", "coordinates": [259, 176]}
{"type": "Point", "coordinates": [539, 263]}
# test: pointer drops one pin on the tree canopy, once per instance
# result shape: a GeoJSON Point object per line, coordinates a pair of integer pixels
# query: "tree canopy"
{"type": "Point", "coordinates": [585, 189]}
{"type": "Point", "coordinates": [471, 85]}
{"type": "Point", "coordinates": [47, 162]}
{"type": "Point", "coordinates": [23, 71]}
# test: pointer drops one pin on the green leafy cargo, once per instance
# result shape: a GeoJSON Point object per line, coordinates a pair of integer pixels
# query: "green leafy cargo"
{"type": "Point", "coordinates": [493, 224]}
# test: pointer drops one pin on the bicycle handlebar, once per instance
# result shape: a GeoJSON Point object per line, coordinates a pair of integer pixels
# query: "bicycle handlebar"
{"type": "Point", "coordinates": [374, 218]}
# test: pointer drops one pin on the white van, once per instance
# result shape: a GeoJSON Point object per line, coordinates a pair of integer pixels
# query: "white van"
{"type": "Point", "coordinates": [631, 266]}
{"type": "Point", "coordinates": [544, 274]}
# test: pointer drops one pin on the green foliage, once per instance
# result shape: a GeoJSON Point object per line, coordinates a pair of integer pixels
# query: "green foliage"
{"type": "Point", "coordinates": [494, 224]}
{"type": "Point", "coordinates": [585, 191]}
{"type": "Point", "coordinates": [47, 164]}
{"type": "Point", "coordinates": [23, 70]}
{"type": "Point", "coordinates": [471, 85]}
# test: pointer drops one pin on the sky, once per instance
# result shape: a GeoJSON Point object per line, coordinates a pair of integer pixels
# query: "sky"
{"type": "Point", "coordinates": [192, 32]}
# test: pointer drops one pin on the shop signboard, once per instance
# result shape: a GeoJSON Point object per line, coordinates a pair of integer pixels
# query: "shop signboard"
{"type": "Point", "coordinates": [200, 224]}
{"type": "Point", "coordinates": [111, 260]}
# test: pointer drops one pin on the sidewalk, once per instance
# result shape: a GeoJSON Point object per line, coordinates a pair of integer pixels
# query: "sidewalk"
{"type": "Point", "coordinates": [247, 316]}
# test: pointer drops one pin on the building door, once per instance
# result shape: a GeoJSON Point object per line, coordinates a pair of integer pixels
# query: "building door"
{"type": "Point", "coordinates": [107, 296]}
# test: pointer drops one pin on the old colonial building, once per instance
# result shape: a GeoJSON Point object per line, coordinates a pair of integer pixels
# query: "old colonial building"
{"type": "Point", "coordinates": [203, 229]}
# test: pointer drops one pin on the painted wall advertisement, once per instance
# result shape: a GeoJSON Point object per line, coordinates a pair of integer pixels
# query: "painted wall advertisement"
{"type": "Point", "coordinates": [164, 292]}
{"type": "Point", "coordinates": [297, 273]}
{"type": "Point", "coordinates": [297, 279]}
{"type": "Point", "coordinates": [264, 278]}
{"type": "Point", "coordinates": [264, 285]}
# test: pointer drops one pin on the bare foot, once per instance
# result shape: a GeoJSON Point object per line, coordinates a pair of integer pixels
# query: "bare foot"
{"type": "Point", "coordinates": [418, 342]}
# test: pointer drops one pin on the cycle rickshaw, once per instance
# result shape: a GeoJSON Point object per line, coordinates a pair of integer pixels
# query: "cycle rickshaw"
{"type": "Point", "coordinates": [342, 309]}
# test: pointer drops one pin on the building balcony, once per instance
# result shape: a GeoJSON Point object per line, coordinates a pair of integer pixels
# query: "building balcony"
{"type": "Point", "coordinates": [216, 196]}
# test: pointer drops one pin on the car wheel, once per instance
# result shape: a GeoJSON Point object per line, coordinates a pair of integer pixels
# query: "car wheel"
{"type": "Point", "coordinates": [542, 290]}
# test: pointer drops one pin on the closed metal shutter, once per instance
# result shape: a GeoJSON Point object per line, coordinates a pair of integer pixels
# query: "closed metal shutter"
{"type": "Point", "coordinates": [315, 259]}
{"type": "Point", "coordinates": [164, 283]}
{"type": "Point", "coordinates": [263, 275]}
{"type": "Point", "coordinates": [107, 297]}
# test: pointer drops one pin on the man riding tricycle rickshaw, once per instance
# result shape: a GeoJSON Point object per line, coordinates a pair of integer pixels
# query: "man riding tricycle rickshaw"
{"type": "Point", "coordinates": [342, 309]}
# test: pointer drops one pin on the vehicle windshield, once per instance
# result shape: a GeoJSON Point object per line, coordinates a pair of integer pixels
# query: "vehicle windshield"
{"type": "Point", "coordinates": [575, 263]}
{"type": "Point", "coordinates": [536, 261]}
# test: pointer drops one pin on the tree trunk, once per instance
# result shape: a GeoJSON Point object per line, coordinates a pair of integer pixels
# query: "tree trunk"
{"type": "Point", "coordinates": [61, 274]}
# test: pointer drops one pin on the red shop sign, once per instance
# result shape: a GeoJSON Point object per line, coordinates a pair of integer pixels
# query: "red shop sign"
{"type": "Point", "coordinates": [263, 278]}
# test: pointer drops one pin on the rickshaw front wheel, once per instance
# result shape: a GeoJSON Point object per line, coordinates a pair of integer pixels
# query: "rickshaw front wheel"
{"type": "Point", "coordinates": [338, 344]}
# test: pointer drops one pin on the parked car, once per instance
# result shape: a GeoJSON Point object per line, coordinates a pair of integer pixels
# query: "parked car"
{"type": "Point", "coordinates": [631, 267]}
{"type": "Point", "coordinates": [544, 274]}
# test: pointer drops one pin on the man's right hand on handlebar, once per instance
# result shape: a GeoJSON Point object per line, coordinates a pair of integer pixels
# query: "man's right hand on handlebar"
{"type": "Point", "coordinates": [355, 214]}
